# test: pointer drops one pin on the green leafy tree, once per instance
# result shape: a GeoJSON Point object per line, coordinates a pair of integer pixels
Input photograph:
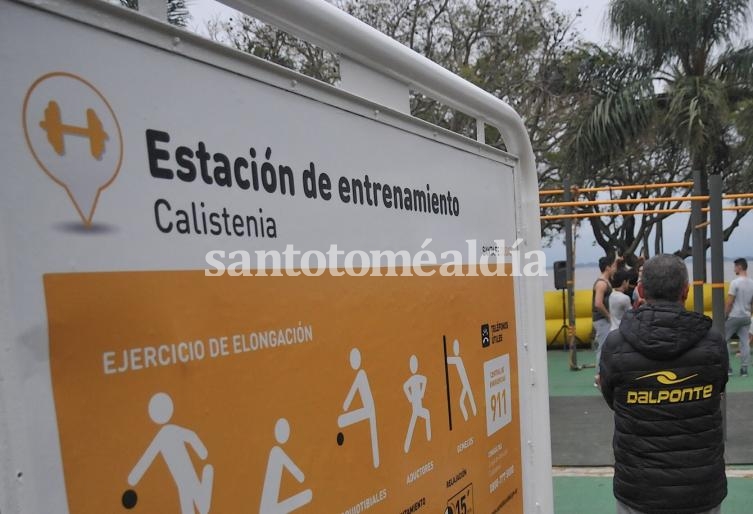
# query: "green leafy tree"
{"type": "Point", "coordinates": [519, 51]}
{"type": "Point", "coordinates": [681, 83]}
{"type": "Point", "coordinates": [267, 42]}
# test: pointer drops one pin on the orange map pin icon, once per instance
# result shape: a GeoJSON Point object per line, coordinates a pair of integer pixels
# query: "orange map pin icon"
{"type": "Point", "coordinates": [74, 136]}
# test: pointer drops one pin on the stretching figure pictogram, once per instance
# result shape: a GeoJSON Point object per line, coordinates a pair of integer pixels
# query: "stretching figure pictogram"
{"type": "Point", "coordinates": [368, 411]}
{"type": "Point", "coordinates": [172, 443]}
{"type": "Point", "coordinates": [278, 462]}
{"type": "Point", "coordinates": [415, 388]}
{"type": "Point", "coordinates": [466, 392]}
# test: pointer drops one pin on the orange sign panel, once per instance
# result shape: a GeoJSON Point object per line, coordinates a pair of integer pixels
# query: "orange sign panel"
{"type": "Point", "coordinates": [180, 393]}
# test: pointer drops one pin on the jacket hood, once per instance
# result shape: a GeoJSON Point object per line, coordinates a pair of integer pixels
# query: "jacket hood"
{"type": "Point", "coordinates": [663, 330]}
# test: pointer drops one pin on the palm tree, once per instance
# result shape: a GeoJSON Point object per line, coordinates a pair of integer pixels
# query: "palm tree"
{"type": "Point", "coordinates": [680, 77]}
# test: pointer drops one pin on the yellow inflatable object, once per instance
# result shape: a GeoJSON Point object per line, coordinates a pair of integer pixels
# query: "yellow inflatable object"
{"type": "Point", "coordinates": [583, 324]}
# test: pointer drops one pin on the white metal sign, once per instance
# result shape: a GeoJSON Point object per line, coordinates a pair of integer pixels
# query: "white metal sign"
{"type": "Point", "coordinates": [148, 178]}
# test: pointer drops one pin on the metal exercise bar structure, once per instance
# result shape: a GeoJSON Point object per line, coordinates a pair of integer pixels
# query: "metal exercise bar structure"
{"type": "Point", "coordinates": [627, 201]}
{"type": "Point", "coordinates": [715, 210]}
{"type": "Point", "coordinates": [570, 277]}
{"type": "Point", "coordinates": [616, 188]}
{"type": "Point", "coordinates": [639, 212]}
{"type": "Point", "coordinates": [698, 239]}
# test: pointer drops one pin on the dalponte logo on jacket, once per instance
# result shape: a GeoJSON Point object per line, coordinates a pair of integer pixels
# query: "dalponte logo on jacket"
{"type": "Point", "coordinates": [667, 377]}
{"type": "Point", "coordinates": [669, 395]}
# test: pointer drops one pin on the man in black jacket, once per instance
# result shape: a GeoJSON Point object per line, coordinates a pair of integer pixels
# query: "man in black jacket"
{"type": "Point", "coordinates": [663, 373]}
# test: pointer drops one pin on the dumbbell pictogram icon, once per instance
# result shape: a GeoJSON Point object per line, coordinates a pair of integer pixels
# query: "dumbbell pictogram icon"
{"type": "Point", "coordinates": [56, 130]}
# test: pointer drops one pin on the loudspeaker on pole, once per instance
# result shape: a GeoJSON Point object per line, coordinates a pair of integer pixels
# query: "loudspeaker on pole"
{"type": "Point", "coordinates": [560, 274]}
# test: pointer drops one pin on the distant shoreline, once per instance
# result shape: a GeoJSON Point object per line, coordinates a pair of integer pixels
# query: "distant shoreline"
{"type": "Point", "coordinates": [689, 260]}
{"type": "Point", "coordinates": [586, 273]}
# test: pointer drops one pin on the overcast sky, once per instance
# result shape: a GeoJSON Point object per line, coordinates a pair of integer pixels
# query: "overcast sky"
{"type": "Point", "coordinates": [591, 22]}
{"type": "Point", "coordinates": [591, 25]}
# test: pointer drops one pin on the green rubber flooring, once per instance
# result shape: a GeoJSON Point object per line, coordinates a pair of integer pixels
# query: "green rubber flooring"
{"type": "Point", "coordinates": [564, 382]}
{"type": "Point", "coordinates": [593, 495]}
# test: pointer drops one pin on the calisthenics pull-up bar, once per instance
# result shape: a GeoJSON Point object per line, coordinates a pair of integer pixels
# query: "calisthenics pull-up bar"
{"type": "Point", "coordinates": [636, 213]}
{"type": "Point", "coordinates": [616, 188]}
{"type": "Point", "coordinates": [661, 199]}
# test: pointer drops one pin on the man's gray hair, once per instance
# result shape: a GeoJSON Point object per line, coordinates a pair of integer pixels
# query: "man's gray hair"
{"type": "Point", "coordinates": [664, 278]}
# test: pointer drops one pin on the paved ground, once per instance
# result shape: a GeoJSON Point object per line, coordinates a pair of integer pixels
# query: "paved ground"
{"type": "Point", "coordinates": [582, 430]}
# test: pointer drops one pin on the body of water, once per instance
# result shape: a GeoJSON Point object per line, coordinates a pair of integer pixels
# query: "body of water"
{"type": "Point", "coordinates": [586, 274]}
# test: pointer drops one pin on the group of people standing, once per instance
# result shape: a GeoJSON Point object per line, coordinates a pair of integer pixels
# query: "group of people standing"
{"type": "Point", "coordinates": [614, 293]}
{"type": "Point", "coordinates": [663, 371]}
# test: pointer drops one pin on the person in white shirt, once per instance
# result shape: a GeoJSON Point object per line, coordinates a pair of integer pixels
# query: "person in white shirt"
{"type": "Point", "coordinates": [619, 302]}
{"type": "Point", "coordinates": [636, 296]}
{"type": "Point", "coordinates": [737, 311]}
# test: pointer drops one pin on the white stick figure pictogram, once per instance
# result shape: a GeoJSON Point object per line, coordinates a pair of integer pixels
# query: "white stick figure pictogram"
{"type": "Point", "coordinates": [368, 411]}
{"type": "Point", "coordinates": [415, 388]}
{"type": "Point", "coordinates": [278, 462]}
{"type": "Point", "coordinates": [457, 361]}
{"type": "Point", "coordinates": [172, 443]}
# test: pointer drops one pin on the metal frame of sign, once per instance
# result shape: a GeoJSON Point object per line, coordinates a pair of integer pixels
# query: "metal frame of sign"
{"type": "Point", "coordinates": [378, 74]}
